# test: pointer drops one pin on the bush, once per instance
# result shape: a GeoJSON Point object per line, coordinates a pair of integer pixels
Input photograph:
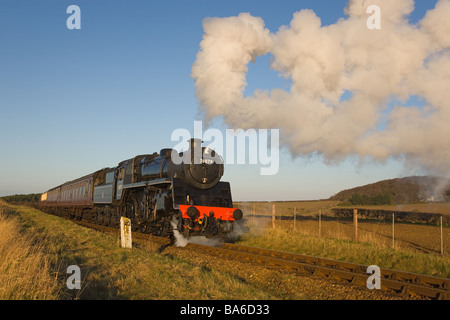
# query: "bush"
{"type": "Point", "coordinates": [22, 198]}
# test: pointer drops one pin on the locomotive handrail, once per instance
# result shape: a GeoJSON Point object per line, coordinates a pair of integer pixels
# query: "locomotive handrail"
{"type": "Point", "coordinates": [146, 183]}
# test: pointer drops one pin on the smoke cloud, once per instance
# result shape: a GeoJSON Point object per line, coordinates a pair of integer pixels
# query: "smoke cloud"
{"type": "Point", "coordinates": [350, 84]}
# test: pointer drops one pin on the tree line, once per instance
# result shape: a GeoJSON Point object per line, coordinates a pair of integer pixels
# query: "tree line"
{"type": "Point", "coordinates": [22, 198]}
{"type": "Point", "coordinates": [379, 199]}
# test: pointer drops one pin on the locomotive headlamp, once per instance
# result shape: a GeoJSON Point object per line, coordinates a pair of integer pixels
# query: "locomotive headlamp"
{"type": "Point", "coordinates": [237, 214]}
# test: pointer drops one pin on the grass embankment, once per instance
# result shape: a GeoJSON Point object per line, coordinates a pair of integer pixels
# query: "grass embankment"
{"type": "Point", "coordinates": [25, 270]}
{"type": "Point", "coordinates": [107, 271]}
{"type": "Point", "coordinates": [347, 250]}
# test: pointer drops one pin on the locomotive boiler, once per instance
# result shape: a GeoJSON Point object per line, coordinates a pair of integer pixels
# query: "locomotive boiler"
{"type": "Point", "coordinates": [158, 192]}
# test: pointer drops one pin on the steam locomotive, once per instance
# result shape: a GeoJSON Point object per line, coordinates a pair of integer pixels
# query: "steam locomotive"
{"type": "Point", "coordinates": [157, 193]}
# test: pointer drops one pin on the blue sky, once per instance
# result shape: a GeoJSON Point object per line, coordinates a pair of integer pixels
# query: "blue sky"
{"type": "Point", "coordinates": [75, 101]}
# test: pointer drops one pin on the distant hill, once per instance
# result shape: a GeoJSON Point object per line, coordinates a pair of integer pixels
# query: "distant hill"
{"type": "Point", "coordinates": [398, 191]}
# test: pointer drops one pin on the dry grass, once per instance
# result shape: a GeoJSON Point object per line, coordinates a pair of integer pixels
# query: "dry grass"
{"type": "Point", "coordinates": [308, 208]}
{"type": "Point", "coordinates": [111, 272]}
{"type": "Point", "coordinates": [407, 236]}
{"type": "Point", "coordinates": [287, 208]}
{"type": "Point", "coordinates": [370, 249]}
{"type": "Point", "coordinates": [25, 271]}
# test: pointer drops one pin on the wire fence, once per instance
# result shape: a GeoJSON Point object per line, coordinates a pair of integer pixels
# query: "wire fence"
{"type": "Point", "coordinates": [428, 233]}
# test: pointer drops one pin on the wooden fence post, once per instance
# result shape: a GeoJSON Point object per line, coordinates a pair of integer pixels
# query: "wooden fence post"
{"type": "Point", "coordinates": [253, 216]}
{"type": "Point", "coordinates": [273, 216]}
{"type": "Point", "coordinates": [442, 239]}
{"type": "Point", "coordinates": [320, 222]}
{"type": "Point", "coordinates": [355, 223]}
{"type": "Point", "coordinates": [295, 216]}
{"type": "Point", "coordinates": [393, 230]}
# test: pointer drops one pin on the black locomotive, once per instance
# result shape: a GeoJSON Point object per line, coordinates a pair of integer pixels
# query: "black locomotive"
{"type": "Point", "coordinates": [157, 193]}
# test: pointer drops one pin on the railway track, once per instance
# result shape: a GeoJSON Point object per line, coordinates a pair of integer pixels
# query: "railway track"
{"type": "Point", "coordinates": [404, 283]}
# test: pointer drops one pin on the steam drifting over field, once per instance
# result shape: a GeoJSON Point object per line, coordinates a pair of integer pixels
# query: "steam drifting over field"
{"type": "Point", "coordinates": [345, 78]}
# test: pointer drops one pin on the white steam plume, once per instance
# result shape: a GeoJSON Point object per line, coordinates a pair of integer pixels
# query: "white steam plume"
{"type": "Point", "coordinates": [181, 241]}
{"type": "Point", "coordinates": [372, 67]}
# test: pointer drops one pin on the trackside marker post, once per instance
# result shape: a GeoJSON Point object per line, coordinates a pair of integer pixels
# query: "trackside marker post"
{"type": "Point", "coordinates": [125, 232]}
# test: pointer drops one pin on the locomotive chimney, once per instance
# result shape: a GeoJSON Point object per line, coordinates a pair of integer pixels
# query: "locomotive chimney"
{"type": "Point", "coordinates": [196, 150]}
{"type": "Point", "coordinates": [194, 143]}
